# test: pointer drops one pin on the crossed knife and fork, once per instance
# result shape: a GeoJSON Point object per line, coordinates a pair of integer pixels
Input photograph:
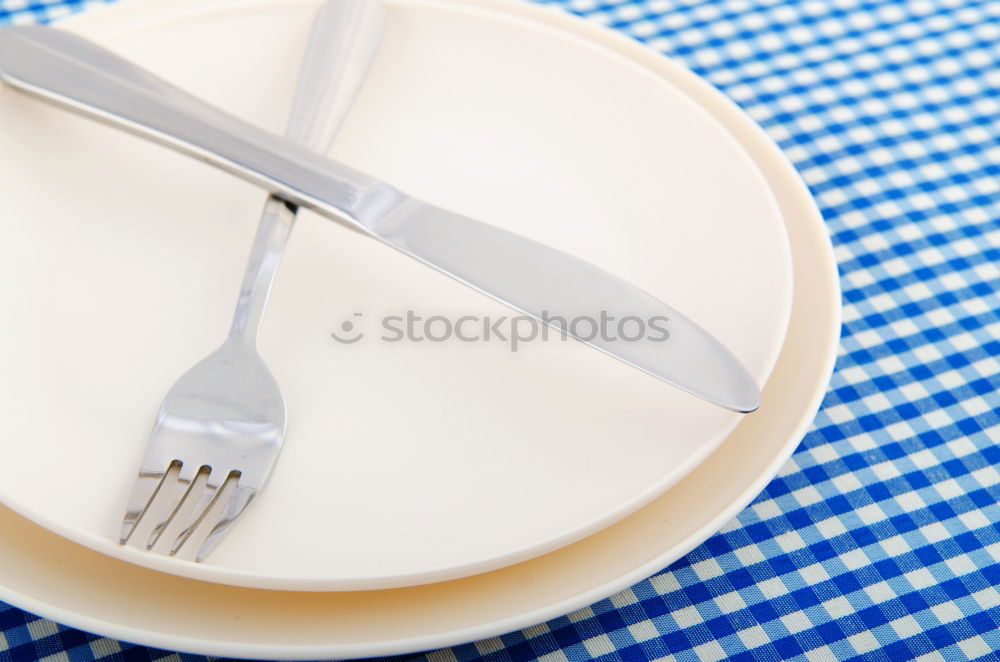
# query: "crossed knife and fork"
{"type": "Point", "coordinates": [220, 428]}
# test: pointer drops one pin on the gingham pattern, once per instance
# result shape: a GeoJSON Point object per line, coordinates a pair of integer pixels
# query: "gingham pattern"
{"type": "Point", "coordinates": [880, 539]}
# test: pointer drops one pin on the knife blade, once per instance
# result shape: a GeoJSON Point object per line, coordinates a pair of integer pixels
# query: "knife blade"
{"type": "Point", "coordinates": [542, 282]}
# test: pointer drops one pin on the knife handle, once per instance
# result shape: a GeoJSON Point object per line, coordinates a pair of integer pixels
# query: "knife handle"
{"type": "Point", "coordinates": [69, 70]}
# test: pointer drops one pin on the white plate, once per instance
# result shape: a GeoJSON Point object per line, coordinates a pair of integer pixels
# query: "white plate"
{"type": "Point", "coordinates": [47, 575]}
{"type": "Point", "coordinates": [57, 579]}
{"type": "Point", "coordinates": [403, 463]}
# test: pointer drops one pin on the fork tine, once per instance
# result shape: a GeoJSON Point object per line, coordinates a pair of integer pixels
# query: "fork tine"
{"type": "Point", "coordinates": [235, 505]}
{"type": "Point", "coordinates": [166, 504]}
{"type": "Point", "coordinates": [207, 499]}
{"type": "Point", "coordinates": [143, 492]}
{"type": "Point", "coordinates": [190, 505]}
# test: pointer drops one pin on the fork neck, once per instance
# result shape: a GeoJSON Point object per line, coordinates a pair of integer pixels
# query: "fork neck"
{"type": "Point", "coordinates": [272, 235]}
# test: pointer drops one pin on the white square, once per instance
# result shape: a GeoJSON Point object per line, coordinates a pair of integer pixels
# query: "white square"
{"type": "Point", "coordinates": [845, 483]}
{"type": "Point", "coordinates": [99, 647]}
{"type": "Point", "coordinates": [814, 574]}
{"type": "Point", "coordinates": [753, 636]}
{"type": "Point", "coordinates": [860, 278]}
{"type": "Point", "coordinates": [957, 114]}
{"type": "Point", "coordinates": [710, 651]}
{"type": "Point", "coordinates": [766, 509]}
{"type": "Point", "coordinates": [830, 527]}
{"type": "Point", "coordinates": [935, 532]}
{"type": "Point", "coordinates": [927, 353]}
{"type": "Point", "coordinates": [942, 316]}
{"type": "Point", "coordinates": [895, 546]}
{"type": "Point", "coordinates": [687, 616]}
{"type": "Point", "coordinates": [536, 631]}
{"type": "Point", "coordinates": [975, 647]}
{"type": "Point", "coordinates": [896, 266]}
{"type": "Point", "coordinates": [870, 514]}
{"type": "Point", "coordinates": [882, 302]}
{"type": "Point", "coordinates": [833, 197]}
{"type": "Point", "coordinates": [988, 366]}
{"type": "Point", "coordinates": [599, 645]}
{"type": "Point", "coordinates": [62, 656]}
{"type": "Point", "coordinates": [949, 489]}
{"type": "Point", "coordinates": [951, 379]}
{"type": "Point", "coordinates": [920, 579]}
{"type": "Point", "coordinates": [664, 583]}
{"type": "Point", "coordinates": [987, 271]}
{"type": "Point", "coordinates": [749, 555]}
{"type": "Point", "coordinates": [876, 402]}
{"type": "Point", "coordinates": [946, 612]}
{"type": "Point", "coordinates": [487, 646]}
{"type": "Point", "coordinates": [974, 519]}
{"type": "Point", "coordinates": [707, 569]}
{"type": "Point", "coordinates": [628, 12]}
{"type": "Point", "coordinates": [807, 496]}
{"type": "Point", "coordinates": [910, 501]}
{"type": "Point", "coordinates": [976, 406]}
{"type": "Point", "coordinates": [824, 453]}
{"type": "Point", "coordinates": [855, 374]}
{"type": "Point", "coordinates": [41, 628]}
{"type": "Point", "coordinates": [915, 391]}
{"type": "Point", "coordinates": [952, 281]}
{"type": "Point", "coordinates": [961, 565]}
{"type": "Point", "coordinates": [624, 598]}
{"type": "Point", "coordinates": [988, 598]}
{"type": "Point", "coordinates": [554, 656]}
{"type": "Point", "coordinates": [821, 654]}
{"type": "Point", "coordinates": [854, 559]}
{"type": "Point", "coordinates": [987, 476]}
{"type": "Point", "coordinates": [917, 291]}
{"type": "Point", "coordinates": [924, 459]}
{"type": "Point", "coordinates": [886, 470]}
{"type": "Point", "coordinates": [838, 607]}
{"type": "Point", "coordinates": [730, 602]}
{"type": "Point", "coordinates": [796, 622]}
{"type": "Point", "coordinates": [900, 430]}
{"type": "Point", "coordinates": [772, 588]}
{"type": "Point", "coordinates": [906, 626]}
{"type": "Point", "coordinates": [790, 541]}
{"type": "Point", "coordinates": [961, 446]}
{"type": "Point", "coordinates": [645, 29]}
{"type": "Point", "coordinates": [863, 641]}
{"type": "Point", "coordinates": [937, 417]}
{"type": "Point", "coordinates": [879, 592]}
{"type": "Point", "coordinates": [643, 631]}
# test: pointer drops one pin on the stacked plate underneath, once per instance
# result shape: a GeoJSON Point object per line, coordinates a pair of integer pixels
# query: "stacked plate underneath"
{"type": "Point", "coordinates": [430, 492]}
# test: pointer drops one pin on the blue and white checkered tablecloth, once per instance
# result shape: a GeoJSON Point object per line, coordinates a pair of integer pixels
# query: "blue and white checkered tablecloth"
{"type": "Point", "coordinates": [880, 539]}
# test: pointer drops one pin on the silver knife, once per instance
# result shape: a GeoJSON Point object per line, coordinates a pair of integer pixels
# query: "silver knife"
{"type": "Point", "coordinates": [542, 282]}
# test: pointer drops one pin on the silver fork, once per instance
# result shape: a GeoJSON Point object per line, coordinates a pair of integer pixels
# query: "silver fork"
{"type": "Point", "coordinates": [220, 428]}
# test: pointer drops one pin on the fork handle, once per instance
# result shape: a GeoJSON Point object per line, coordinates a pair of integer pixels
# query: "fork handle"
{"type": "Point", "coordinates": [341, 48]}
{"type": "Point", "coordinates": [338, 54]}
